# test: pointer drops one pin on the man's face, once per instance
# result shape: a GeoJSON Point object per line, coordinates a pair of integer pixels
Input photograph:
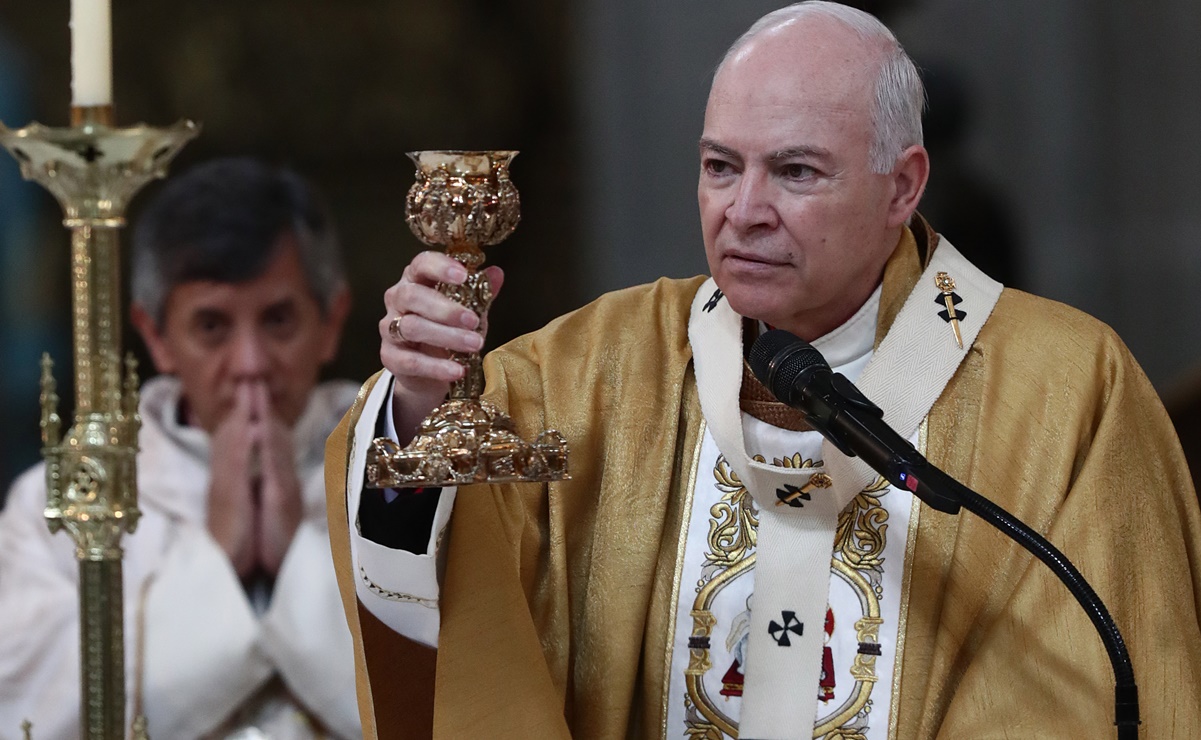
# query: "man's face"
{"type": "Point", "coordinates": [796, 226]}
{"type": "Point", "coordinates": [270, 330]}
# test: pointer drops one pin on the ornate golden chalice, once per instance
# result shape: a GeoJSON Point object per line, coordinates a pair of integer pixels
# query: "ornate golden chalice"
{"type": "Point", "coordinates": [463, 201]}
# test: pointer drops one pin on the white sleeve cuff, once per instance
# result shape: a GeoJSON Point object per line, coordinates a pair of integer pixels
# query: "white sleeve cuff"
{"type": "Point", "coordinates": [390, 494]}
{"type": "Point", "coordinates": [399, 587]}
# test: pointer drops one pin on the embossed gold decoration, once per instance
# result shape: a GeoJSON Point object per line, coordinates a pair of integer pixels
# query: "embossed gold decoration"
{"type": "Point", "coordinates": [858, 560]}
{"type": "Point", "coordinates": [462, 201]}
{"type": "Point", "coordinates": [699, 661]}
{"type": "Point", "coordinates": [735, 524]}
{"type": "Point", "coordinates": [93, 170]}
{"type": "Point", "coordinates": [864, 668]}
{"type": "Point", "coordinates": [860, 536]}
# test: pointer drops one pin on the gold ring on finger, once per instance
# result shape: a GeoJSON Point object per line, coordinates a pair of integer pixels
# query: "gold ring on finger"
{"type": "Point", "coordinates": [394, 329]}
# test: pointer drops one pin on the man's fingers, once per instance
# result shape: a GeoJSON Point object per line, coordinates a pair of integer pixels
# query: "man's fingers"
{"type": "Point", "coordinates": [411, 298]}
{"type": "Point", "coordinates": [496, 278]}
{"type": "Point", "coordinates": [421, 324]}
{"type": "Point", "coordinates": [430, 267]}
{"type": "Point", "coordinates": [243, 408]}
{"type": "Point", "coordinates": [412, 329]}
{"type": "Point", "coordinates": [412, 362]}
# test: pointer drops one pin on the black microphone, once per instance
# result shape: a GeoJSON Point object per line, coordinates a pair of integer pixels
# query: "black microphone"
{"type": "Point", "coordinates": [798, 375]}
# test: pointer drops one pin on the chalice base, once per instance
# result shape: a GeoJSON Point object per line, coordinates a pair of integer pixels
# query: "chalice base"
{"type": "Point", "coordinates": [466, 441]}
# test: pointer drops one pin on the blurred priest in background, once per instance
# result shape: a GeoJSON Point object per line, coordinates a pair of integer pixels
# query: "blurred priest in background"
{"type": "Point", "coordinates": [233, 626]}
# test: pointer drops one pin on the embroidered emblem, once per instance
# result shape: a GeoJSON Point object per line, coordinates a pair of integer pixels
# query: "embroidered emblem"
{"type": "Point", "coordinates": [733, 680]}
{"type": "Point", "coordinates": [793, 496]}
{"type": "Point", "coordinates": [713, 301]}
{"type": "Point", "coordinates": [779, 632]}
{"type": "Point", "coordinates": [949, 298]}
{"type": "Point", "coordinates": [714, 688]}
{"type": "Point", "coordinates": [827, 683]}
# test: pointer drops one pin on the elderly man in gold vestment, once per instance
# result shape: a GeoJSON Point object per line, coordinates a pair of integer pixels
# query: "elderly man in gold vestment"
{"type": "Point", "coordinates": [673, 587]}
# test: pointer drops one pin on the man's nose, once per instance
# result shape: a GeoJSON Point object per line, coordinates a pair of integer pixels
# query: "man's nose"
{"type": "Point", "coordinates": [752, 205]}
{"type": "Point", "coordinates": [249, 358]}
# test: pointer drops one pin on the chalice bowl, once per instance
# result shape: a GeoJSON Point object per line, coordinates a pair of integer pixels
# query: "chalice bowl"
{"type": "Point", "coordinates": [463, 201]}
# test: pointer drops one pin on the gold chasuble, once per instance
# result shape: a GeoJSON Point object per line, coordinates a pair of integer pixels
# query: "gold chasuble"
{"type": "Point", "coordinates": [557, 600]}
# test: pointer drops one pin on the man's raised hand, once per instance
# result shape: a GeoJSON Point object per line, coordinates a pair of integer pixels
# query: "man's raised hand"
{"type": "Point", "coordinates": [419, 329]}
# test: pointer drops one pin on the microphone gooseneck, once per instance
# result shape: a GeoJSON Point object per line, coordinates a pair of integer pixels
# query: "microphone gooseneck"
{"type": "Point", "coordinates": [799, 376]}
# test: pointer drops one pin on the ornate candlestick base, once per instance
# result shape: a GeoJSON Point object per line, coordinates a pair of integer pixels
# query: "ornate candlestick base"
{"type": "Point", "coordinates": [461, 201]}
{"type": "Point", "coordinates": [93, 170]}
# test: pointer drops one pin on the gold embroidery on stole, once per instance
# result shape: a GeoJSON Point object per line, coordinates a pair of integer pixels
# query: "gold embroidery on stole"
{"type": "Point", "coordinates": [857, 559]}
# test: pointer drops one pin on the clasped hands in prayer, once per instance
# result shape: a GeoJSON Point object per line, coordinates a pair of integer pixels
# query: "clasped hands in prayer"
{"type": "Point", "coordinates": [419, 330]}
{"type": "Point", "coordinates": [254, 503]}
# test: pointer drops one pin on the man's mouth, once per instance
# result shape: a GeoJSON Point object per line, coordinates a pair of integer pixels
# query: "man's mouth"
{"type": "Point", "coordinates": [752, 258]}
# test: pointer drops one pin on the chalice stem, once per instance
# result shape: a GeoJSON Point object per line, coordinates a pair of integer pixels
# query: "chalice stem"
{"type": "Point", "coordinates": [474, 293]}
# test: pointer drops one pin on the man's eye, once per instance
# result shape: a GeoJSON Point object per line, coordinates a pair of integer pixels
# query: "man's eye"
{"type": "Point", "coordinates": [280, 321]}
{"type": "Point", "coordinates": [211, 329]}
{"type": "Point", "coordinates": [716, 166]}
{"type": "Point", "coordinates": [796, 171]}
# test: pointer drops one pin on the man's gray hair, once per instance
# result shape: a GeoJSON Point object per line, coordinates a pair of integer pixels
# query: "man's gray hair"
{"type": "Point", "coordinates": [899, 95]}
{"type": "Point", "coordinates": [222, 222]}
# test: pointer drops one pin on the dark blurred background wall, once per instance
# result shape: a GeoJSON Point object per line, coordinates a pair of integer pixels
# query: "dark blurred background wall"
{"type": "Point", "coordinates": [1062, 134]}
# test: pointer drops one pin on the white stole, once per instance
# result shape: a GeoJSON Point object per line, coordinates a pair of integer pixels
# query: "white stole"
{"type": "Point", "coordinates": [906, 374]}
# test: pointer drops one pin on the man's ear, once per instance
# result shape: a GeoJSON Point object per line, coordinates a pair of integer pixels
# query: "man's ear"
{"type": "Point", "coordinates": [335, 318]}
{"type": "Point", "coordinates": [909, 182]}
{"type": "Point", "coordinates": [147, 327]}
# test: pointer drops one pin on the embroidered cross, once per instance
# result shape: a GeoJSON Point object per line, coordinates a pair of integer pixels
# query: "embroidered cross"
{"type": "Point", "coordinates": [779, 632]}
{"type": "Point", "coordinates": [793, 496]}
{"type": "Point", "coordinates": [713, 300]}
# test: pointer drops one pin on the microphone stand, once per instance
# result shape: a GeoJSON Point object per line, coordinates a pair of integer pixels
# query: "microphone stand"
{"type": "Point", "coordinates": [941, 491]}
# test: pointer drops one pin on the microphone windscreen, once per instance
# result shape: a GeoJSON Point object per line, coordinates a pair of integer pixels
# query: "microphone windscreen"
{"type": "Point", "coordinates": [778, 357]}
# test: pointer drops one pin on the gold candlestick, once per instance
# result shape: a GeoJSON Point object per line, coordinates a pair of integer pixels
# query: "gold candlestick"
{"type": "Point", "coordinates": [463, 201]}
{"type": "Point", "coordinates": [93, 170]}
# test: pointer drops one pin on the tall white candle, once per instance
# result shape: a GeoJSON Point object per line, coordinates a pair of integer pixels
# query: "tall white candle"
{"type": "Point", "coordinates": [91, 52]}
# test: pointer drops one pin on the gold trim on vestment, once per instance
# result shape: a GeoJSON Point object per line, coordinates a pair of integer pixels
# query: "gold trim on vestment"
{"type": "Point", "coordinates": [915, 508]}
{"type": "Point", "coordinates": [681, 545]}
{"type": "Point", "coordinates": [698, 658]}
{"type": "Point", "coordinates": [356, 412]}
{"type": "Point", "coordinates": [867, 630]}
